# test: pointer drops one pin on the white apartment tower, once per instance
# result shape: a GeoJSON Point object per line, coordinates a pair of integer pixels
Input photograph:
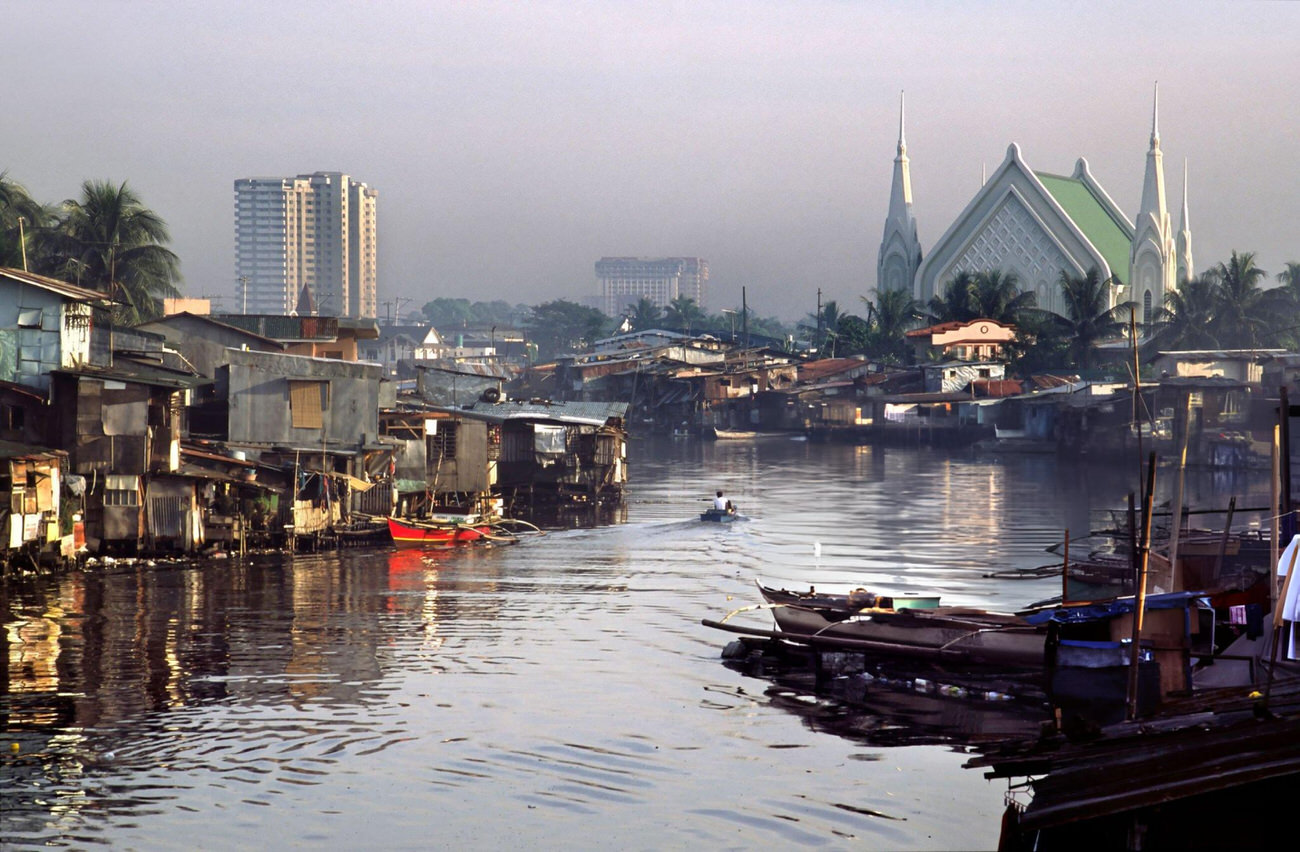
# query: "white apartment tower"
{"type": "Point", "coordinates": [314, 231]}
{"type": "Point", "coordinates": [624, 281]}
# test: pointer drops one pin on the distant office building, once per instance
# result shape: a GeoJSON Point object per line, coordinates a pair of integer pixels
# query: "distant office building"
{"type": "Point", "coordinates": [625, 281]}
{"type": "Point", "coordinates": [313, 231]}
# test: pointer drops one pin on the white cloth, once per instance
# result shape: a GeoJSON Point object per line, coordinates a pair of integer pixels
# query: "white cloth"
{"type": "Point", "coordinates": [1291, 605]}
{"type": "Point", "coordinates": [720, 503]}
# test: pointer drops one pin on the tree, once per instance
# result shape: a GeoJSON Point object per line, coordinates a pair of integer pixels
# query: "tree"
{"type": "Point", "coordinates": [1088, 318]}
{"type": "Point", "coordinates": [1282, 306]}
{"type": "Point", "coordinates": [888, 319]}
{"type": "Point", "coordinates": [1187, 319]}
{"type": "Point", "coordinates": [108, 240]}
{"type": "Point", "coordinates": [16, 204]}
{"type": "Point", "coordinates": [682, 313]}
{"type": "Point", "coordinates": [1239, 307]}
{"type": "Point", "coordinates": [822, 327]}
{"type": "Point", "coordinates": [997, 296]}
{"type": "Point", "coordinates": [955, 303]}
{"type": "Point", "coordinates": [562, 326]}
{"type": "Point", "coordinates": [446, 313]}
{"type": "Point", "coordinates": [852, 336]}
{"type": "Point", "coordinates": [644, 315]}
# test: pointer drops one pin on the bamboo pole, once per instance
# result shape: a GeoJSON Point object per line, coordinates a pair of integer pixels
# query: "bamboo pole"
{"type": "Point", "coordinates": [1275, 495]}
{"type": "Point", "coordinates": [1176, 531]}
{"type": "Point", "coordinates": [1223, 539]}
{"type": "Point", "coordinates": [1275, 629]}
{"type": "Point", "coordinates": [1284, 466]}
{"type": "Point", "coordinates": [1065, 570]}
{"type": "Point", "coordinates": [1140, 599]}
{"type": "Point", "coordinates": [1137, 393]}
{"type": "Point", "coordinates": [1134, 556]}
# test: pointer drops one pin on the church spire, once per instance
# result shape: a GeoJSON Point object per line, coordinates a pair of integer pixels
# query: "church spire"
{"type": "Point", "coordinates": [900, 193]}
{"type": "Point", "coordinates": [902, 142]}
{"type": "Point", "coordinates": [900, 250]}
{"type": "Point", "coordinates": [1152, 260]}
{"type": "Point", "coordinates": [1183, 245]}
{"type": "Point", "coordinates": [1153, 187]}
{"type": "Point", "coordinates": [1155, 118]}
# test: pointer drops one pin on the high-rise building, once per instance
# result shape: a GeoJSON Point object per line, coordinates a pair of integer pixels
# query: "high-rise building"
{"type": "Point", "coordinates": [315, 232]}
{"type": "Point", "coordinates": [624, 281]}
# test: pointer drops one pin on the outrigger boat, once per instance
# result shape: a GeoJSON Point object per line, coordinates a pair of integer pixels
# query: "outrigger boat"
{"type": "Point", "coordinates": [903, 627]}
{"type": "Point", "coordinates": [438, 531]}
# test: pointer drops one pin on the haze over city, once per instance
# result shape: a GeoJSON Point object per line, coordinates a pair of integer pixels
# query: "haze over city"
{"type": "Point", "coordinates": [513, 145]}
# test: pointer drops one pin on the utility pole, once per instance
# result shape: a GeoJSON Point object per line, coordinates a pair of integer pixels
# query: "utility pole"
{"type": "Point", "coordinates": [22, 240]}
{"type": "Point", "coordinates": [818, 339]}
{"type": "Point", "coordinates": [243, 295]}
{"type": "Point", "coordinates": [744, 307]}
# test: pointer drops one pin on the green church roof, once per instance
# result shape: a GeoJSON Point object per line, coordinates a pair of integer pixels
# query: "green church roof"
{"type": "Point", "coordinates": [1112, 237]}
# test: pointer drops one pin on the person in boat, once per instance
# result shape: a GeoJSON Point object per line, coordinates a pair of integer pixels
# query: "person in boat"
{"type": "Point", "coordinates": [722, 504]}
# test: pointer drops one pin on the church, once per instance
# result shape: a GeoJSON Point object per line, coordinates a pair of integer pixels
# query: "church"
{"type": "Point", "coordinates": [1038, 225]}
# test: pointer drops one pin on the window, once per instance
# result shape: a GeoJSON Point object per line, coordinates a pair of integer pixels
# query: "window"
{"type": "Point", "coordinates": [120, 490]}
{"type": "Point", "coordinates": [308, 401]}
{"type": "Point", "coordinates": [442, 443]}
{"type": "Point", "coordinates": [13, 418]}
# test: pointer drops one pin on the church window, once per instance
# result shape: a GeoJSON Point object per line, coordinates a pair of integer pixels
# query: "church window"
{"type": "Point", "coordinates": [1146, 307]}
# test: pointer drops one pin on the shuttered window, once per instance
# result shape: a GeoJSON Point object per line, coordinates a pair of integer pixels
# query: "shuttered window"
{"type": "Point", "coordinates": [307, 403]}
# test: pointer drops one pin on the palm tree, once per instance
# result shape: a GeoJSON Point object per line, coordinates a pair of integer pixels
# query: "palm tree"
{"type": "Point", "coordinates": [1282, 306]}
{"type": "Point", "coordinates": [1239, 305]}
{"type": "Point", "coordinates": [997, 296]}
{"type": "Point", "coordinates": [16, 204]}
{"type": "Point", "coordinates": [644, 314]}
{"type": "Point", "coordinates": [682, 313]}
{"type": "Point", "coordinates": [1088, 318]}
{"type": "Point", "coordinates": [823, 326]}
{"type": "Point", "coordinates": [888, 320]}
{"type": "Point", "coordinates": [1289, 277]}
{"type": "Point", "coordinates": [108, 240]}
{"type": "Point", "coordinates": [1186, 321]}
{"type": "Point", "coordinates": [955, 303]}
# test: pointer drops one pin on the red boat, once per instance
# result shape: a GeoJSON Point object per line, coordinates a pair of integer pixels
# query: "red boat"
{"type": "Point", "coordinates": [439, 532]}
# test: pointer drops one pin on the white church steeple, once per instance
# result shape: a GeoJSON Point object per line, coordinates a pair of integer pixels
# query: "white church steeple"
{"type": "Point", "coordinates": [1183, 244]}
{"type": "Point", "coordinates": [1152, 262]}
{"type": "Point", "coordinates": [900, 250]}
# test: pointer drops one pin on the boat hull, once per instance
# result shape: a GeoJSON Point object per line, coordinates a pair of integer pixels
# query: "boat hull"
{"type": "Point", "coordinates": [437, 534]}
{"type": "Point", "coordinates": [718, 516]}
{"type": "Point", "coordinates": [956, 633]}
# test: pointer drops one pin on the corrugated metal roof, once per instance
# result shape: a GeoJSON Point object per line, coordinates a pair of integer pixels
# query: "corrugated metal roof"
{"type": "Point", "coordinates": [143, 374]}
{"type": "Point", "coordinates": [589, 413]}
{"type": "Point", "coordinates": [54, 285]}
{"type": "Point", "coordinates": [15, 450]}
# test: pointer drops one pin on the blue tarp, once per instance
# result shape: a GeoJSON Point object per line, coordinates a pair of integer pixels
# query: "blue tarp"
{"type": "Point", "coordinates": [1111, 609]}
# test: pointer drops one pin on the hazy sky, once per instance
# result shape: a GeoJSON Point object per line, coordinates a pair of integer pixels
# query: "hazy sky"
{"type": "Point", "coordinates": [515, 143]}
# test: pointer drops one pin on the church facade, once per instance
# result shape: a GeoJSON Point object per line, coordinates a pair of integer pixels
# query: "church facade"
{"type": "Point", "coordinates": [1038, 225]}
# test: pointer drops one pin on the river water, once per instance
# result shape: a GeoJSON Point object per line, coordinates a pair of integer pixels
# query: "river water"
{"type": "Point", "coordinates": [560, 693]}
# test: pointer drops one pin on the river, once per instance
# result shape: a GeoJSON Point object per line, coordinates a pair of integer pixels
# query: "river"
{"type": "Point", "coordinates": [559, 693]}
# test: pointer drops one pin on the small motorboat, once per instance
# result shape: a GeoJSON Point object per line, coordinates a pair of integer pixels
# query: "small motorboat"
{"type": "Point", "coordinates": [720, 516]}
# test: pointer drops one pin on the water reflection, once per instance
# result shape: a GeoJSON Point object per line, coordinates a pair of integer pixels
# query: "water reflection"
{"type": "Point", "coordinates": [563, 684]}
